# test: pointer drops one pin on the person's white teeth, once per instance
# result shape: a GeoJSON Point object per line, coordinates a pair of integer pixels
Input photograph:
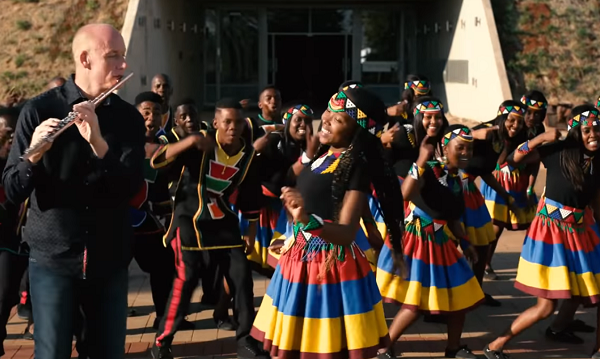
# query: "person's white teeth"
{"type": "Point", "coordinates": [593, 143]}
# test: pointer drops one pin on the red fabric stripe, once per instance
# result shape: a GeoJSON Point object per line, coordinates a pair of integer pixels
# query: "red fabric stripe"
{"type": "Point", "coordinates": [177, 288]}
{"type": "Point", "coordinates": [294, 270]}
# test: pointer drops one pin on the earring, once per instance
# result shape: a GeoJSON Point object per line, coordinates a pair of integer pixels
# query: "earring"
{"type": "Point", "coordinates": [445, 159]}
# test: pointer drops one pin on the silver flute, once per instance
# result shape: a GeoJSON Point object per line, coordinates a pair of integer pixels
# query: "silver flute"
{"type": "Point", "coordinates": [66, 122]}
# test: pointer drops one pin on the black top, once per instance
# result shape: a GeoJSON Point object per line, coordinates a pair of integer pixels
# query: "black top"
{"type": "Point", "coordinates": [315, 181]}
{"type": "Point", "coordinates": [275, 163]}
{"type": "Point", "coordinates": [441, 196]}
{"type": "Point", "coordinates": [78, 221]}
{"type": "Point", "coordinates": [558, 187]}
{"type": "Point", "coordinates": [486, 153]}
{"type": "Point", "coordinates": [209, 184]}
{"type": "Point", "coordinates": [404, 151]}
{"type": "Point", "coordinates": [10, 216]}
{"type": "Point", "coordinates": [538, 129]}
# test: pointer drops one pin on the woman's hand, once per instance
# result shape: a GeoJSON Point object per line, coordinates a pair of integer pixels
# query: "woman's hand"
{"type": "Point", "coordinates": [471, 254]}
{"type": "Point", "coordinates": [276, 246]}
{"type": "Point", "coordinates": [552, 135]}
{"type": "Point", "coordinates": [294, 204]}
{"type": "Point", "coordinates": [312, 142]}
{"type": "Point", "coordinates": [426, 151]}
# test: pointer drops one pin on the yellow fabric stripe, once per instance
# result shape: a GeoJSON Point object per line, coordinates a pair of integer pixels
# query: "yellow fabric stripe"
{"type": "Point", "coordinates": [311, 335]}
{"type": "Point", "coordinates": [557, 278]}
{"type": "Point", "coordinates": [430, 299]}
{"type": "Point", "coordinates": [499, 213]}
{"type": "Point", "coordinates": [159, 164]}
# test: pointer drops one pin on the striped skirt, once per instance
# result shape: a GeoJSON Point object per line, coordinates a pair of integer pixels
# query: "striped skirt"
{"type": "Point", "coordinates": [309, 312]}
{"type": "Point", "coordinates": [439, 279]}
{"type": "Point", "coordinates": [560, 258]}
{"type": "Point", "coordinates": [267, 223]}
{"type": "Point", "coordinates": [477, 221]}
{"type": "Point", "coordinates": [515, 183]}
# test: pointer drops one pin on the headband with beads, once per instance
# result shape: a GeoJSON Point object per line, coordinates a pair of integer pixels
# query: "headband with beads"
{"type": "Point", "coordinates": [305, 109]}
{"type": "Point", "coordinates": [428, 106]}
{"type": "Point", "coordinates": [340, 102]}
{"type": "Point", "coordinates": [586, 118]}
{"type": "Point", "coordinates": [533, 104]}
{"type": "Point", "coordinates": [517, 110]}
{"type": "Point", "coordinates": [463, 133]}
{"type": "Point", "coordinates": [421, 87]}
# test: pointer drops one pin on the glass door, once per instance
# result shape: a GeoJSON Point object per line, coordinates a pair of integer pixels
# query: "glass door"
{"type": "Point", "coordinates": [231, 56]}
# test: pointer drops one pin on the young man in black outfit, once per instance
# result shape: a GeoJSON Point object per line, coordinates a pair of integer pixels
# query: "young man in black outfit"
{"type": "Point", "coordinates": [216, 169]}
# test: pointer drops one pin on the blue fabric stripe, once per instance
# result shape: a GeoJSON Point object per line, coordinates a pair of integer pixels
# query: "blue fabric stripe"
{"type": "Point", "coordinates": [429, 275]}
{"type": "Point", "coordinates": [557, 255]}
{"type": "Point", "coordinates": [476, 218]}
{"type": "Point", "coordinates": [321, 301]}
{"type": "Point", "coordinates": [374, 206]}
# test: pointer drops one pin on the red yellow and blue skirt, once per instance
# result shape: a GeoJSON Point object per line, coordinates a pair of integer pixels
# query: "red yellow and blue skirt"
{"type": "Point", "coordinates": [476, 220]}
{"type": "Point", "coordinates": [515, 182]}
{"type": "Point", "coordinates": [284, 232]}
{"type": "Point", "coordinates": [311, 309]}
{"type": "Point", "coordinates": [269, 216]}
{"type": "Point", "coordinates": [560, 258]}
{"type": "Point", "coordinates": [376, 211]}
{"type": "Point", "coordinates": [439, 279]}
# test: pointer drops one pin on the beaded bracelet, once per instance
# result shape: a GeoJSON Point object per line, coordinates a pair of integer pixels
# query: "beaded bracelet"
{"type": "Point", "coordinates": [524, 148]}
{"type": "Point", "coordinates": [314, 225]}
{"type": "Point", "coordinates": [530, 191]}
{"type": "Point", "coordinates": [416, 172]}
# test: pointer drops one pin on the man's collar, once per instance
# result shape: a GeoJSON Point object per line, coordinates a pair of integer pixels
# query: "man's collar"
{"type": "Point", "coordinates": [74, 95]}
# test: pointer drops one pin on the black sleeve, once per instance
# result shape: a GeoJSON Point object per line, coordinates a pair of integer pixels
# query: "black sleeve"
{"type": "Point", "coordinates": [121, 171]}
{"type": "Point", "coordinates": [550, 153]}
{"type": "Point", "coordinates": [484, 158]}
{"type": "Point", "coordinates": [359, 178]}
{"type": "Point", "coordinates": [404, 138]}
{"type": "Point", "coordinates": [250, 196]}
{"type": "Point", "coordinates": [20, 176]}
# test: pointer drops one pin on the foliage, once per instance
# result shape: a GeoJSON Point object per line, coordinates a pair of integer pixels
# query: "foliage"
{"type": "Point", "coordinates": [551, 46]}
{"type": "Point", "coordinates": [31, 58]}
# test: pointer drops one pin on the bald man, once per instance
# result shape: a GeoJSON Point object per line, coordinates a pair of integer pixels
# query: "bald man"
{"type": "Point", "coordinates": [162, 86]}
{"type": "Point", "coordinates": [79, 187]}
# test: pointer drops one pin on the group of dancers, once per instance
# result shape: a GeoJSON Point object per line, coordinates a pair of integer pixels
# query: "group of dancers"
{"type": "Point", "coordinates": [358, 214]}
{"type": "Point", "coordinates": [379, 205]}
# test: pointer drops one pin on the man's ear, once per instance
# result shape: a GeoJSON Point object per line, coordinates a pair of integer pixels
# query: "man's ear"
{"type": "Point", "coordinates": [84, 59]}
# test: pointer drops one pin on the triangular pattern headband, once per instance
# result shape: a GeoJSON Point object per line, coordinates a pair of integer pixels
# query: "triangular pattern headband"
{"type": "Point", "coordinates": [421, 87]}
{"type": "Point", "coordinates": [587, 118]}
{"type": "Point", "coordinates": [341, 103]}
{"type": "Point", "coordinates": [533, 104]}
{"type": "Point", "coordinates": [463, 133]}
{"type": "Point", "coordinates": [305, 109]}
{"type": "Point", "coordinates": [517, 110]}
{"type": "Point", "coordinates": [428, 106]}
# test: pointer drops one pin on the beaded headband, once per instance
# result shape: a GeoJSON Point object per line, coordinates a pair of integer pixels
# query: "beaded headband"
{"type": "Point", "coordinates": [586, 118]}
{"type": "Point", "coordinates": [293, 110]}
{"type": "Point", "coordinates": [428, 106]}
{"type": "Point", "coordinates": [419, 87]}
{"type": "Point", "coordinates": [517, 110]}
{"type": "Point", "coordinates": [341, 103]}
{"type": "Point", "coordinates": [533, 104]}
{"type": "Point", "coordinates": [463, 133]}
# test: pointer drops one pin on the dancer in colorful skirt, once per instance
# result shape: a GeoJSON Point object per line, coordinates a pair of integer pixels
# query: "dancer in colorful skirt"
{"type": "Point", "coordinates": [503, 186]}
{"type": "Point", "coordinates": [323, 298]}
{"type": "Point", "coordinates": [561, 252]}
{"type": "Point", "coordinates": [279, 153]}
{"type": "Point", "coordinates": [440, 280]}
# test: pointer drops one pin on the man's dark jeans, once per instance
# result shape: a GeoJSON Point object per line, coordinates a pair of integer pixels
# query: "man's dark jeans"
{"type": "Point", "coordinates": [55, 300]}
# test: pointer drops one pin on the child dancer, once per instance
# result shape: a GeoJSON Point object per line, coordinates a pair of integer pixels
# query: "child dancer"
{"type": "Point", "coordinates": [323, 300]}
{"type": "Point", "coordinates": [440, 279]}
{"type": "Point", "coordinates": [561, 251]}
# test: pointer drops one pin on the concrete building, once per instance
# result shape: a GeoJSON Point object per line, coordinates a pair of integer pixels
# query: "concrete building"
{"type": "Point", "coordinates": [214, 49]}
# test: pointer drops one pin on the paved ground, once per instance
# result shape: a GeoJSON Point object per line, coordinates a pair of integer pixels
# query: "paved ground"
{"type": "Point", "coordinates": [423, 340]}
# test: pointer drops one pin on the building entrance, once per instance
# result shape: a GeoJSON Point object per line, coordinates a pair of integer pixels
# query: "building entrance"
{"type": "Point", "coordinates": [309, 68]}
